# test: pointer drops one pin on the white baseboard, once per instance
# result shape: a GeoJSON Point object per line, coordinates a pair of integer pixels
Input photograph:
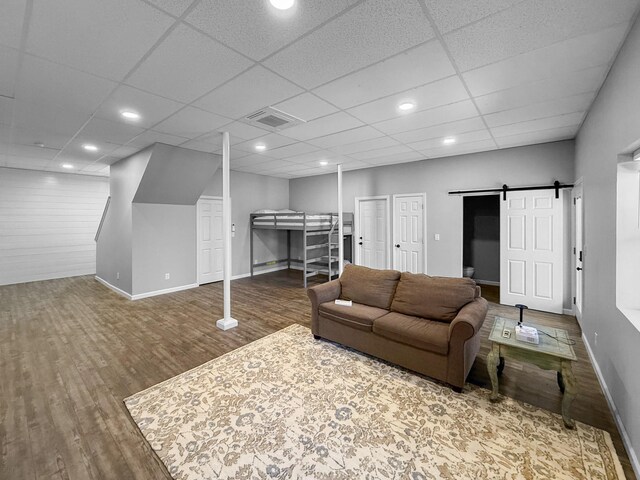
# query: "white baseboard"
{"type": "Point", "coordinates": [568, 311]}
{"type": "Point", "coordinates": [146, 294]}
{"type": "Point", "coordinates": [633, 458]}
{"type": "Point", "coordinates": [260, 272]}
{"type": "Point", "coordinates": [487, 282]}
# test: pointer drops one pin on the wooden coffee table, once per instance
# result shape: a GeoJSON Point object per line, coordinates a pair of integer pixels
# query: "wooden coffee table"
{"type": "Point", "coordinates": [550, 354]}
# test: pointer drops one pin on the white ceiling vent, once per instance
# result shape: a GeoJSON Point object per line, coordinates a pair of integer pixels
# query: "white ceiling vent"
{"type": "Point", "coordinates": [272, 119]}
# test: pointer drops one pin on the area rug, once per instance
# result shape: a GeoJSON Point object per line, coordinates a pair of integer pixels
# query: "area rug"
{"type": "Point", "coordinates": [289, 406]}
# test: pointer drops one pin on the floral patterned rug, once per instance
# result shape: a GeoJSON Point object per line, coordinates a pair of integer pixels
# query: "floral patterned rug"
{"type": "Point", "coordinates": [288, 406]}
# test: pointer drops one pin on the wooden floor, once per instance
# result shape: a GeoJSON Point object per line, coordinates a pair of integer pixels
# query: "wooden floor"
{"type": "Point", "coordinates": [71, 350]}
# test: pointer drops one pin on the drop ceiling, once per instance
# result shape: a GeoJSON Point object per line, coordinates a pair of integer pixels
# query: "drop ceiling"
{"type": "Point", "coordinates": [491, 73]}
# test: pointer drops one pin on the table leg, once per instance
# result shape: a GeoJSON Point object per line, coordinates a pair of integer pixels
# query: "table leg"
{"type": "Point", "coordinates": [560, 382]}
{"type": "Point", "coordinates": [493, 358]}
{"type": "Point", "coordinates": [570, 392]}
{"type": "Point", "coordinates": [501, 366]}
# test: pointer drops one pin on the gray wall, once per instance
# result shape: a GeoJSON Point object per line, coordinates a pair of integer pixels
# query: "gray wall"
{"type": "Point", "coordinates": [537, 164]}
{"type": "Point", "coordinates": [482, 236]}
{"type": "Point", "coordinates": [611, 127]}
{"type": "Point", "coordinates": [250, 192]}
{"type": "Point", "coordinates": [114, 248]}
{"type": "Point", "coordinates": [47, 224]}
{"type": "Point", "coordinates": [164, 241]}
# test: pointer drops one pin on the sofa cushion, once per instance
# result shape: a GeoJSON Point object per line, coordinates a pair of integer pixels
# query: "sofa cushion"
{"type": "Point", "coordinates": [418, 332]}
{"type": "Point", "coordinates": [368, 286]}
{"type": "Point", "coordinates": [357, 316]}
{"type": "Point", "coordinates": [435, 298]}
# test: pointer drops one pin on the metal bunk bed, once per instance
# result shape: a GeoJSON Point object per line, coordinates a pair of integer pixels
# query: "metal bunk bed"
{"type": "Point", "coordinates": [319, 239]}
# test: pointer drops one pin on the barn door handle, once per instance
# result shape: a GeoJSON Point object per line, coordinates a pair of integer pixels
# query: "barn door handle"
{"type": "Point", "coordinates": [578, 268]}
{"type": "Point", "coordinates": [397, 245]}
{"type": "Point", "coordinates": [359, 243]}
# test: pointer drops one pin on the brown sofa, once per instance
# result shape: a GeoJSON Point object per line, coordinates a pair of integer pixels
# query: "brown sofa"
{"type": "Point", "coordinates": [427, 324]}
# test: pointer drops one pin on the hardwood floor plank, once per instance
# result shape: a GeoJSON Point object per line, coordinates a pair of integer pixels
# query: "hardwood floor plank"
{"type": "Point", "coordinates": [71, 350]}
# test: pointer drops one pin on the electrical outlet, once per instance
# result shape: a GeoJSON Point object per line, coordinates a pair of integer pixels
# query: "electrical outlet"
{"type": "Point", "coordinates": [167, 276]}
{"type": "Point", "coordinates": [436, 237]}
{"type": "Point", "coordinates": [595, 339]}
{"type": "Point", "coordinates": [117, 275]}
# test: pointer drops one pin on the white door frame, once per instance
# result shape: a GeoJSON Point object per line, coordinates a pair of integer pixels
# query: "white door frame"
{"type": "Point", "coordinates": [424, 228]}
{"type": "Point", "coordinates": [578, 190]}
{"type": "Point", "coordinates": [356, 225]}
{"type": "Point", "coordinates": [198, 226]}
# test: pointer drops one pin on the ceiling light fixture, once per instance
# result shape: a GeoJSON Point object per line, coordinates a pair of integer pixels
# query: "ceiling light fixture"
{"type": "Point", "coordinates": [130, 115]}
{"type": "Point", "coordinates": [449, 140]}
{"type": "Point", "coordinates": [324, 163]}
{"type": "Point", "coordinates": [89, 147]}
{"type": "Point", "coordinates": [282, 4]}
{"type": "Point", "coordinates": [260, 147]}
{"type": "Point", "coordinates": [68, 166]}
{"type": "Point", "coordinates": [406, 106]}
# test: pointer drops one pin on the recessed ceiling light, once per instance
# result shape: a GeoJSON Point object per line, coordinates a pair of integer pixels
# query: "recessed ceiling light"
{"type": "Point", "coordinates": [261, 147]}
{"type": "Point", "coordinates": [282, 4]}
{"type": "Point", "coordinates": [449, 140]}
{"type": "Point", "coordinates": [68, 166]}
{"type": "Point", "coordinates": [406, 106]}
{"type": "Point", "coordinates": [324, 163]}
{"type": "Point", "coordinates": [89, 147]}
{"type": "Point", "coordinates": [130, 115]}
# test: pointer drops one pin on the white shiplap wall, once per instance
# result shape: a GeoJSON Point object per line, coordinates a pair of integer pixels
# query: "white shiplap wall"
{"type": "Point", "coordinates": [47, 224]}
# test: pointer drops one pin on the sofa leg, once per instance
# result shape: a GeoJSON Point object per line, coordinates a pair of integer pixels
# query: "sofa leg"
{"type": "Point", "coordinates": [317, 337]}
{"type": "Point", "coordinates": [456, 389]}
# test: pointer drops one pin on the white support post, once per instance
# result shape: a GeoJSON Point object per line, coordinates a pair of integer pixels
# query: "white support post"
{"type": "Point", "coordinates": [340, 223]}
{"type": "Point", "coordinates": [227, 322]}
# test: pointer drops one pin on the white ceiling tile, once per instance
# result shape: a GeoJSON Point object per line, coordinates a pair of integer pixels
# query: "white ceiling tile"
{"type": "Point", "coordinates": [313, 157]}
{"type": "Point", "coordinates": [123, 152]}
{"type": "Point", "coordinates": [191, 122]}
{"type": "Point", "coordinates": [410, 156]}
{"type": "Point", "coordinates": [346, 137]}
{"type": "Point", "coordinates": [463, 149]}
{"type": "Point", "coordinates": [256, 28]}
{"type": "Point", "coordinates": [441, 92]}
{"type": "Point", "coordinates": [537, 125]}
{"type": "Point", "coordinates": [150, 137]}
{"type": "Point", "coordinates": [292, 150]}
{"type": "Point", "coordinates": [572, 83]}
{"type": "Point", "coordinates": [186, 65]}
{"type": "Point", "coordinates": [373, 144]}
{"type": "Point", "coordinates": [9, 61]}
{"type": "Point", "coordinates": [381, 152]}
{"type": "Point", "coordinates": [6, 110]}
{"type": "Point", "coordinates": [306, 106]}
{"type": "Point", "coordinates": [31, 151]}
{"type": "Point", "coordinates": [239, 132]}
{"type": "Point", "coordinates": [560, 106]}
{"type": "Point", "coordinates": [151, 108]}
{"type": "Point", "coordinates": [26, 162]}
{"type": "Point", "coordinates": [355, 165]}
{"type": "Point", "coordinates": [462, 138]}
{"type": "Point", "coordinates": [45, 83]}
{"type": "Point", "coordinates": [174, 7]}
{"type": "Point", "coordinates": [428, 118]}
{"type": "Point", "coordinates": [250, 161]}
{"type": "Point", "coordinates": [254, 89]}
{"type": "Point", "coordinates": [103, 38]}
{"type": "Point", "coordinates": [11, 21]}
{"type": "Point", "coordinates": [291, 168]}
{"type": "Point", "coordinates": [418, 66]}
{"type": "Point", "coordinates": [23, 136]}
{"type": "Point", "coordinates": [543, 136]}
{"type": "Point", "coordinates": [48, 119]}
{"type": "Point", "coordinates": [449, 15]}
{"type": "Point", "coordinates": [322, 126]}
{"type": "Point", "coordinates": [112, 132]}
{"type": "Point", "coordinates": [554, 61]}
{"type": "Point", "coordinates": [532, 25]}
{"type": "Point", "coordinates": [441, 131]}
{"type": "Point", "coordinates": [75, 152]}
{"type": "Point", "coordinates": [271, 141]}
{"type": "Point", "coordinates": [370, 32]}
{"type": "Point", "coordinates": [273, 165]}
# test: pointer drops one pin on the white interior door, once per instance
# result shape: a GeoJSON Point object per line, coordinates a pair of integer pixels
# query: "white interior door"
{"type": "Point", "coordinates": [579, 254]}
{"type": "Point", "coordinates": [531, 250]}
{"type": "Point", "coordinates": [210, 248]}
{"type": "Point", "coordinates": [408, 233]}
{"type": "Point", "coordinates": [373, 247]}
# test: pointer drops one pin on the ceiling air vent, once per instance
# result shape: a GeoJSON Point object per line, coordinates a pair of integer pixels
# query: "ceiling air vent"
{"type": "Point", "coordinates": [272, 119]}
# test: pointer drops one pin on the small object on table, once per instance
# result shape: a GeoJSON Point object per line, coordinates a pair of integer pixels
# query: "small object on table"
{"type": "Point", "coordinates": [554, 352]}
{"type": "Point", "coordinates": [344, 303]}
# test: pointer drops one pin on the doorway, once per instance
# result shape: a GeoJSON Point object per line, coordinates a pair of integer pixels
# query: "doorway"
{"type": "Point", "coordinates": [372, 232]}
{"type": "Point", "coordinates": [409, 232]}
{"type": "Point", "coordinates": [481, 241]}
{"type": "Point", "coordinates": [210, 249]}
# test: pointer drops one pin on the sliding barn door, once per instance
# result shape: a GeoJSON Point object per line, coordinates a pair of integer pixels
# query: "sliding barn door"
{"type": "Point", "coordinates": [531, 250]}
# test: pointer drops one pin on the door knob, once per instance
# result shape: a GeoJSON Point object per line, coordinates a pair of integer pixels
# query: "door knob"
{"type": "Point", "coordinates": [578, 268]}
{"type": "Point", "coordinates": [397, 245]}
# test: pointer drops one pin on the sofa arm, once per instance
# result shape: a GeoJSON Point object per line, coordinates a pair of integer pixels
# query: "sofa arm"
{"type": "Point", "coordinates": [469, 320]}
{"type": "Point", "coordinates": [320, 294]}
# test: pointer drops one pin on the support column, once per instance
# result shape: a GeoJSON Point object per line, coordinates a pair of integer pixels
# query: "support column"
{"type": "Point", "coordinates": [227, 322]}
{"type": "Point", "coordinates": [340, 224]}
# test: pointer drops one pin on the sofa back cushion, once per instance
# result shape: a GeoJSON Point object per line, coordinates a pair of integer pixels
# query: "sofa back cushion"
{"type": "Point", "coordinates": [369, 286]}
{"type": "Point", "coordinates": [435, 298]}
